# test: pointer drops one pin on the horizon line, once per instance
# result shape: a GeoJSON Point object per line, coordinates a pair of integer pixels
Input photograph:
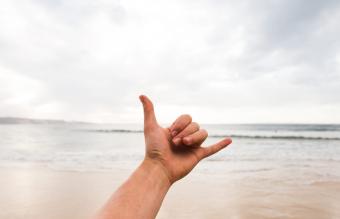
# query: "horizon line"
{"type": "Point", "coordinates": [139, 123]}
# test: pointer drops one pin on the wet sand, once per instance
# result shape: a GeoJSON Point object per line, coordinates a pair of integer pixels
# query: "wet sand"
{"type": "Point", "coordinates": [38, 192]}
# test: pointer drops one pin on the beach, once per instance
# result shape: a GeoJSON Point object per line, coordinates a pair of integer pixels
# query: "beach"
{"type": "Point", "coordinates": [66, 171]}
{"type": "Point", "coordinates": [37, 193]}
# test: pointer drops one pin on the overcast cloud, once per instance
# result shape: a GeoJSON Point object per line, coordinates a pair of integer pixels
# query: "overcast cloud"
{"type": "Point", "coordinates": [222, 61]}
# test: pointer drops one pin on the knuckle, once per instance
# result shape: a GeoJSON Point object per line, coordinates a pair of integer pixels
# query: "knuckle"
{"type": "Point", "coordinates": [195, 125]}
{"type": "Point", "coordinates": [204, 132]}
{"type": "Point", "coordinates": [210, 151]}
{"type": "Point", "coordinates": [205, 153]}
{"type": "Point", "coordinates": [182, 122]}
{"type": "Point", "coordinates": [186, 116]}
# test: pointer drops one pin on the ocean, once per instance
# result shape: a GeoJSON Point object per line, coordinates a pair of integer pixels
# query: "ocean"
{"type": "Point", "coordinates": [311, 152]}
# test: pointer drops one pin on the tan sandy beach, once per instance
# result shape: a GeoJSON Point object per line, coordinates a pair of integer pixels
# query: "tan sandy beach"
{"type": "Point", "coordinates": [38, 192]}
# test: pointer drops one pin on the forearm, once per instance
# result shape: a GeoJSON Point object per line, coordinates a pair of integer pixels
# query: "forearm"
{"type": "Point", "coordinates": [140, 196]}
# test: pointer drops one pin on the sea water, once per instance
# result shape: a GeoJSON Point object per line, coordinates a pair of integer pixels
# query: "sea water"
{"type": "Point", "coordinates": [309, 152]}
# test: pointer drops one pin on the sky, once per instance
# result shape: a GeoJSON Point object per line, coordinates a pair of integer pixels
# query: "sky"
{"type": "Point", "coordinates": [220, 61]}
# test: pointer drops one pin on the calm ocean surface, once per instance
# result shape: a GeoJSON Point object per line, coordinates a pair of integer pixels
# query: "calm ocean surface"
{"type": "Point", "coordinates": [310, 151]}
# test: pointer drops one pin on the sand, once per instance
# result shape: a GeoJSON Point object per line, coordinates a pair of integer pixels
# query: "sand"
{"type": "Point", "coordinates": [38, 193]}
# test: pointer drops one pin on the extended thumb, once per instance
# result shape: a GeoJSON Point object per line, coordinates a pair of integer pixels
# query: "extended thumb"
{"type": "Point", "coordinates": [149, 113]}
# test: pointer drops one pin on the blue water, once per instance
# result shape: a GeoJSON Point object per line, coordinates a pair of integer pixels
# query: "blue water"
{"type": "Point", "coordinates": [311, 149]}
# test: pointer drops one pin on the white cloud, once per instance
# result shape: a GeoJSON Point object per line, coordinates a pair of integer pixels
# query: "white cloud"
{"type": "Point", "coordinates": [22, 96]}
{"type": "Point", "coordinates": [224, 61]}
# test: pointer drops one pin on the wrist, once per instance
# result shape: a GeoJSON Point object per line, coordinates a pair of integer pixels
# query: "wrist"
{"type": "Point", "coordinates": [157, 171]}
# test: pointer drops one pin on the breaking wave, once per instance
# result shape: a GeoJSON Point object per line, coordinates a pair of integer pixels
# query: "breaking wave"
{"type": "Point", "coordinates": [284, 137]}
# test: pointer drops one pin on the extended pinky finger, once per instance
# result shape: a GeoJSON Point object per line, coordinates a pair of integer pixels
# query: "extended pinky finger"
{"type": "Point", "coordinates": [203, 152]}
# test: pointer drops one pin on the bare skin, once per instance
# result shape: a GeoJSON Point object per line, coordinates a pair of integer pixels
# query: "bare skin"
{"type": "Point", "coordinates": [171, 153]}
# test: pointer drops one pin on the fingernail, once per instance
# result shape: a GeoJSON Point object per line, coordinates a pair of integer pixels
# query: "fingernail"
{"type": "Point", "coordinates": [177, 141]}
{"type": "Point", "coordinates": [187, 140]}
{"type": "Point", "coordinates": [174, 133]}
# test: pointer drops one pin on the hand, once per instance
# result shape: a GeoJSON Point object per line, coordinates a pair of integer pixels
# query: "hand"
{"type": "Point", "coordinates": [176, 149]}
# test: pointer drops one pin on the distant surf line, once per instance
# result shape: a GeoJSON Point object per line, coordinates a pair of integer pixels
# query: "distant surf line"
{"type": "Point", "coordinates": [286, 137]}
